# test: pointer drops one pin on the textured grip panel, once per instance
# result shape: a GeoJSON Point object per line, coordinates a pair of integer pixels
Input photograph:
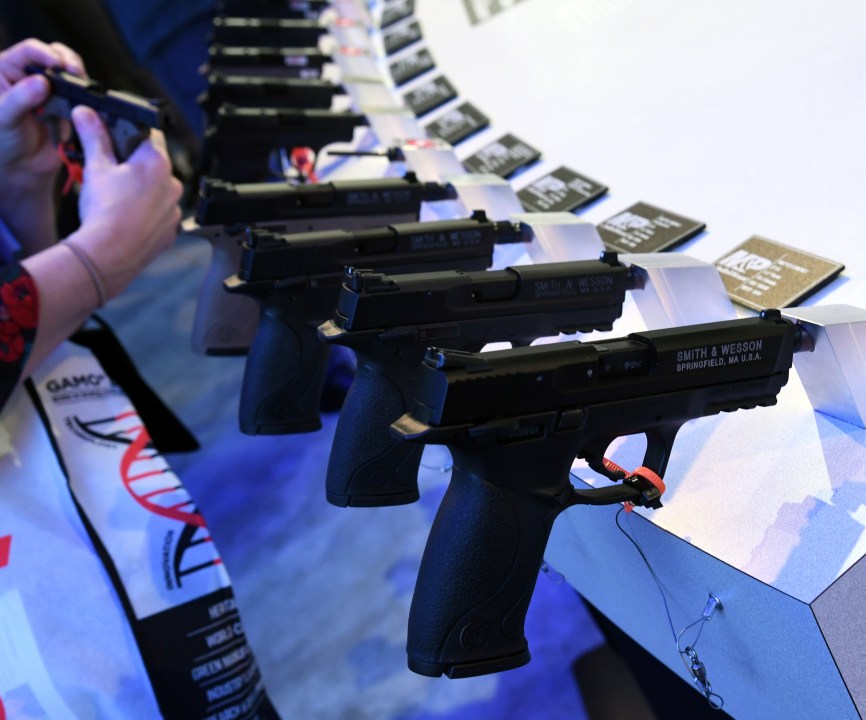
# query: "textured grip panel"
{"type": "Point", "coordinates": [126, 136]}
{"type": "Point", "coordinates": [476, 579]}
{"type": "Point", "coordinates": [225, 323]}
{"type": "Point", "coordinates": [368, 467]}
{"type": "Point", "coordinates": [283, 378]}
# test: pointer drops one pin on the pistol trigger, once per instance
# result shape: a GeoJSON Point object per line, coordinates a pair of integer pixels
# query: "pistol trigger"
{"type": "Point", "coordinates": [599, 468]}
{"type": "Point", "coordinates": [594, 456]}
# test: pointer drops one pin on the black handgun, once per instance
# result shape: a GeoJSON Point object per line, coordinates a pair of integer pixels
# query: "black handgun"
{"type": "Point", "coordinates": [225, 324]}
{"type": "Point", "coordinates": [245, 91]}
{"type": "Point", "coordinates": [240, 142]}
{"type": "Point", "coordinates": [274, 61]}
{"type": "Point", "coordinates": [272, 8]}
{"type": "Point", "coordinates": [128, 117]}
{"type": "Point", "coordinates": [514, 421]}
{"type": "Point", "coordinates": [296, 280]}
{"type": "Point", "coordinates": [266, 32]}
{"type": "Point", "coordinates": [391, 321]}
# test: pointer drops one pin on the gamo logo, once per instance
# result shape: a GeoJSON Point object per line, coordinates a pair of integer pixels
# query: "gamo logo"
{"type": "Point", "coordinates": [75, 382]}
{"type": "Point", "coordinates": [744, 261]}
{"type": "Point", "coordinates": [629, 221]}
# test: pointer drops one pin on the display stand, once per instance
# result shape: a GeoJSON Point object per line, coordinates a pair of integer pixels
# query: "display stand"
{"type": "Point", "coordinates": [833, 373]}
{"type": "Point", "coordinates": [431, 160]}
{"type": "Point", "coordinates": [776, 535]}
{"type": "Point", "coordinates": [561, 237]}
{"type": "Point", "coordinates": [392, 126]}
{"type": "Point", "coordinates": [355, 62]}
{"type": "Point", "coordinates": [667, 285]}
{"type": "Point", "coordinates": [369, 92]}
{"type": "Point", "coordinates": [487, 192]}
{"type": "Point", "coordinates": [349, 33]}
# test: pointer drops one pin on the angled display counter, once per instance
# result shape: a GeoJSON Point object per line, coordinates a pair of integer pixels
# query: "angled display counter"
{"type": "Point", "coordinates": [745, 117]}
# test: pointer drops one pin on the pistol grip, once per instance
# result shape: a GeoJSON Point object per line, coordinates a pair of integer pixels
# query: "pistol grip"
{"type": "Point", "coordinates": [283, 377]}
{"type": "Point", "coordinates": [368, 467]}
{"type": "Point", "coordinates": [125, 136]}
{"type": "Point", "coordinates": [476, 579]}
{"type": "Point", "coordinates": [225, 323]}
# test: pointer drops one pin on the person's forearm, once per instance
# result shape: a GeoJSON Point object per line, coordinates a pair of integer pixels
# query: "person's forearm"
{"type": "Point", "coordinates": [29, 214]}
{"type": "Point", "coordinates": [67, 296]}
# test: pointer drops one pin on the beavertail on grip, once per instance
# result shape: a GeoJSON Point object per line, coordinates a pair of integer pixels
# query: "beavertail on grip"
{"type": "Point", "coordinates": [226, 324]}
{"type": "Point", "coordinates": [296, 281]}
{"type": "Point", "coordinates": [515, 419]}
{"type": "Point", "coordinates": [390, 321]}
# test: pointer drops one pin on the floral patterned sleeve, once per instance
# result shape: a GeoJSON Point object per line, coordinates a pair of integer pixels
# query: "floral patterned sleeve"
{"type": "Point", "coordinates": [19, 313]}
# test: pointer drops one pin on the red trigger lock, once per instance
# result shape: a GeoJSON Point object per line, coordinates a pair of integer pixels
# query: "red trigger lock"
{"type": "Point", "coordinates": [613, 468]}
{"type": "Point", "coordinates": [74, 170]}
{"type": "Point", "coordinates": [303, 159]}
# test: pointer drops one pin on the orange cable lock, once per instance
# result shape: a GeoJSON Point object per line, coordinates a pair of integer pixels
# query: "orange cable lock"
{"type": "Point", "coordinates": [74, 170]}
{"type": "Point", "coordinates": [304, 161]}
{"type": "Point", "coordinates": [644, 473]}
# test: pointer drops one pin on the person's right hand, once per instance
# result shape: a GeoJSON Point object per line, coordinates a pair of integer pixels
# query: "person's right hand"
{"type": "Point", "coordinates": [129, 211]}
{"type": "Point", "coordinates": [27, 157]}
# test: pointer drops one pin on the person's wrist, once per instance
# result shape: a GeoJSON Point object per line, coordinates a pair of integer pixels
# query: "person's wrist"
{"type": "Point", "coordinates": [95, 274]}
{"type": "Point", "coordinates": [98, 241]}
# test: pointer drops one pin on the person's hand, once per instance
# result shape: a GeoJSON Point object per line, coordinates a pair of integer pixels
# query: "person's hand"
{"type": "Point", "coordinates": [129, 211]}
{"type": "Point", "coordinates": [27, 157]}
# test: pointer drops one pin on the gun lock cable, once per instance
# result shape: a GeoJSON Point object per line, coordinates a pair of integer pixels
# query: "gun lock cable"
{"type": "Point", "coordinates": [687, 654]}
{"type": "Point", "coordinates": [643, 473]}
{"type": "Point", "coordinates": [294, 165]}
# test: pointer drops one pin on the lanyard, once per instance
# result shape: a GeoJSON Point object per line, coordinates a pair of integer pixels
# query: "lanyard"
{"type": "Point", "coordinates": [154, 543]}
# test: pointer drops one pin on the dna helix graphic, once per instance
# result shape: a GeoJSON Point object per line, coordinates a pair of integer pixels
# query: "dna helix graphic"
{"type": "Point", "coordinates": [150, 481]}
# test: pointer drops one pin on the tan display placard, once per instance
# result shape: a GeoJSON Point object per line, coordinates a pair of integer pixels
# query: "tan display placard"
{"type": "Point", "coordinates": [761, 273]}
